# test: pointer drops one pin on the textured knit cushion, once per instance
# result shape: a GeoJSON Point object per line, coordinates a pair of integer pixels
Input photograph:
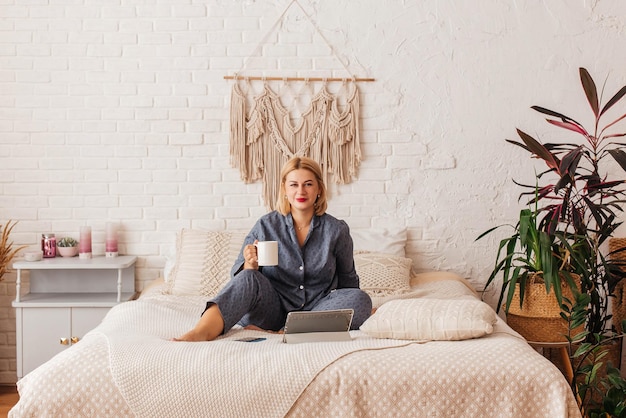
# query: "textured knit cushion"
{"type": "Point", "coordinates": [431, 319]}
{"type": "Point", "coordinates": [203, 261]}
{"type": "Point", "coordinates": [383, 240]}
{"type": "Point", "coordinates": [382, 275]}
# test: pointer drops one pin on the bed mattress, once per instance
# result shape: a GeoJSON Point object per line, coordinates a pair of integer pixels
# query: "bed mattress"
{"type": "Point", "coordinates": [128, 367]}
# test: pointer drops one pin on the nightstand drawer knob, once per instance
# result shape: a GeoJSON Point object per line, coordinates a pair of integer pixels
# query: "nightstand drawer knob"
{"type": "Point", "coordinates": [64, 341]}
{"type": "Point", "coordinates": [75, 340]}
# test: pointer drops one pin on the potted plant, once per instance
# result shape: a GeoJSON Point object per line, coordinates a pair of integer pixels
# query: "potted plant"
{"type": "Point", "coordinates": [581, 200]}
{"type": "Point", "coordinates": [598, 386]}
{"type": "Point", "coordinates": [536, 275]}
{"type": "Point", "coordinates": [578, 199]}
{"type": "Point", "coordinates": [68, 247]}
{"type": "Point", "coordinates": [7, 251]}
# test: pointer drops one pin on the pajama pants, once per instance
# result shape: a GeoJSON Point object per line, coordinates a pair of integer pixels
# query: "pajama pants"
{"type": "Point", "coordinates": [250, 299]}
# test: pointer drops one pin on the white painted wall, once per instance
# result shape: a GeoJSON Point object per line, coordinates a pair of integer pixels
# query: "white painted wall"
{"type": "Point", "coordinates": [118, 110]}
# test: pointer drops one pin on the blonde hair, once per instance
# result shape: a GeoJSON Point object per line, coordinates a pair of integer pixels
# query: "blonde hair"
{"type": "Point", "coordinates": [297, 163]}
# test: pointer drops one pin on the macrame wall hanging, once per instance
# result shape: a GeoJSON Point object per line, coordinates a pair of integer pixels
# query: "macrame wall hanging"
{"type": "Point", "coordinates": [263, 137]}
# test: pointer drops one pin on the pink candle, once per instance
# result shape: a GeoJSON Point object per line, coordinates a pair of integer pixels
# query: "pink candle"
{"type": "Point", "coordinates": [84, 244]}
{"type": "Point", "coordinates": [111, 240]}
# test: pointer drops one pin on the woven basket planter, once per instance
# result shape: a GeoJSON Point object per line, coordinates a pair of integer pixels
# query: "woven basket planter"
{"type": "Point", "coordinates": [539, 318]}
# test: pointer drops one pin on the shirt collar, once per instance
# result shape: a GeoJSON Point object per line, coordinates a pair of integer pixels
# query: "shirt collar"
{"type": "Point", "coordinates": [289, 219]}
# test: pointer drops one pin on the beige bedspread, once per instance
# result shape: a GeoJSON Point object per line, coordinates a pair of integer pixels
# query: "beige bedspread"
{"type": "Point", "coordinates": [499, 375]}
{"type": "Point", "coordinates": [494, 376]}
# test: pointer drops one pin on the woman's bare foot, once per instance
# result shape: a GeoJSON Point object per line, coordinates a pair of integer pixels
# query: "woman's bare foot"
{"type": "Point", "coordinates": [193, 336]}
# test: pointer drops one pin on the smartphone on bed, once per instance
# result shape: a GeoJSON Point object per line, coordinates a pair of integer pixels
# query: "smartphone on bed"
{"type": "Point", "coordinates": [251, 339]}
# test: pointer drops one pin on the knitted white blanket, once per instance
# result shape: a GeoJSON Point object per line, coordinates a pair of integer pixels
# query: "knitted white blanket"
{"type": "Point", "coordinates": [226, 377]}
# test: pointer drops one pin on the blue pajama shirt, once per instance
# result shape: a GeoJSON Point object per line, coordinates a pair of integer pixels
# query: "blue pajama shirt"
{"type": "Point", "coordinates": [320, 275]}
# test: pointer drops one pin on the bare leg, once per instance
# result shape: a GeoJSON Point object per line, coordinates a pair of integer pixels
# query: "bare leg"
{"type": "Point", "coordinates": [209, 327]}
{"type": "Point", "coordinates": [255, 328]}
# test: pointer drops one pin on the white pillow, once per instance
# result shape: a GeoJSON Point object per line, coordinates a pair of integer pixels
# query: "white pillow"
{"type": "Point", "coordinates": [382, 275]}
{"type": "Point", "coordinates": [382, 240]}
{"type": "Point", "coordinates": [431, 320]}
{"type": "Point", "coordinates": [203, 261]}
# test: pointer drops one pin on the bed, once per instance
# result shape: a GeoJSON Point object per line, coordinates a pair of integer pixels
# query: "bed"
{"type": "Point", "coordinates": [431, 348]}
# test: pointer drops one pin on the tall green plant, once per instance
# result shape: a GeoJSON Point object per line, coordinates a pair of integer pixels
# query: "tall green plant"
{"type": "Point", "coordinates": [579, 200]}
{"type": "Point", "coordinates": [599, 395]}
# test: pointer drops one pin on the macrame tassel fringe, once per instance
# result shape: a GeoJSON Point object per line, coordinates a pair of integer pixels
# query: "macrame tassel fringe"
{"type": "Point", "coordinates": [263, 142]}
{"type": "Point", "coordinates": [238, 122]}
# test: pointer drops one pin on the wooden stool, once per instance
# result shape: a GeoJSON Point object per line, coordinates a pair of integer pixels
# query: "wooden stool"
{"type": "Point", "coordinates": [563, 354]}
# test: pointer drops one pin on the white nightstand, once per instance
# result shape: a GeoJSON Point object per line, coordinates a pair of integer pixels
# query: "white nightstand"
{"type": "Point", "coordinates": [67, 298]}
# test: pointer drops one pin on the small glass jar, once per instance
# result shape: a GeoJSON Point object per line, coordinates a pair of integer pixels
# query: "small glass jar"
{"type": "Point", "coordinates": [49, 245]}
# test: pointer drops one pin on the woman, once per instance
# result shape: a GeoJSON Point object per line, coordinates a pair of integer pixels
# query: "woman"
{"type": "Point", "coordinates": [316, 266]}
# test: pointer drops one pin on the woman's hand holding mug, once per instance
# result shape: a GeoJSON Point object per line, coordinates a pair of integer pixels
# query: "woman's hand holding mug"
{"type": "Point", "coordinates": [264, 253]}
{"type": "Point", "coordinates": [250, 257]}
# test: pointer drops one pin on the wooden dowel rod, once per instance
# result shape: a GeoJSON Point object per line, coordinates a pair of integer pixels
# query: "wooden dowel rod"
{"type": "Point", "coordinates": [238, 77]}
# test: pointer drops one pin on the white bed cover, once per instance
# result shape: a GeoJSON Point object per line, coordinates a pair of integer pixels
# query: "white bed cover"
{"type": "Point", "coordinates": [498, 375]}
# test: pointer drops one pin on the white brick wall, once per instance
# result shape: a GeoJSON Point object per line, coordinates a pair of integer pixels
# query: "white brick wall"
{"type": "Point", "coordinates": [114, 111]}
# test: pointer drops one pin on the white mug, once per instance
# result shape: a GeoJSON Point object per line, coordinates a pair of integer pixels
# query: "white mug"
{"type": "Point", "coordinates": [267, 253]}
